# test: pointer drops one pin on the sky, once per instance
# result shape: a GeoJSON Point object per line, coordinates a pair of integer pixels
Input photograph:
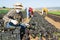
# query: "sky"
{"type": "Point", "coordinates": [31, 3]}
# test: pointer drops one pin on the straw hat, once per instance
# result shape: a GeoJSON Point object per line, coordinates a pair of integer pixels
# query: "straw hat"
{"type": "Point", "coordinates": [18, 5]}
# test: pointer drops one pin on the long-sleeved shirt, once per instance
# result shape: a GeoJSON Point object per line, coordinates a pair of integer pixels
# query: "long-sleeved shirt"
{"type": "Point", "coordinates": [13, 15]}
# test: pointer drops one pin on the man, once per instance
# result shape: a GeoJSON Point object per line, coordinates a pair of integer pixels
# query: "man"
{"type": "Point", "coordinates": [14, 18]}
{"type": "Point", "coordinates": [44, 12]}
{"type": "Point", "coordinates": [31, 12]}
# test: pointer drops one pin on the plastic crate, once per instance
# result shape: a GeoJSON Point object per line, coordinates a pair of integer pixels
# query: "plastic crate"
{"type": "Point", "coordinates": [8, 35]}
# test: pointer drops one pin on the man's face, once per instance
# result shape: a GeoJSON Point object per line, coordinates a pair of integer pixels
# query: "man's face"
{"type": "Point", "coordinates": [17, 10]}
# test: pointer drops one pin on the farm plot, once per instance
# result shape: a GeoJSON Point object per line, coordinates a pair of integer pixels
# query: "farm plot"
{"type": "Point", "coordinates": [54, 12]}
{"type": "Point", "coordinates": [54, 17]}
{"type": "Point", "coordinates": [39, 23]}
{"type": "Point", "coordinates": [3, 12]}
{"type": "Point", "coordinates": [43, 25]}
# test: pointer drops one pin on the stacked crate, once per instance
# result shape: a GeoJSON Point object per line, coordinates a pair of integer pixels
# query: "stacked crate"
{"type": "Point", "coordinates": [10, 35]}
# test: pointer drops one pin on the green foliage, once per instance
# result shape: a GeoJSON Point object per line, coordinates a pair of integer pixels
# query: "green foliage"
{"type": "Point", "coordinates": [58, 34]}
{"type": "Point", "coordinates": [54, 12]}
{"type": "Point", "coordinates": [3, 11]}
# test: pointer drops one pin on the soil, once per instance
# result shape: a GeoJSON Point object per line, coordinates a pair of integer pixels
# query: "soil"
{"type": "Point", "coordinates": [54, 20]}
{"type": "Point", "coordinates": [54, 17]}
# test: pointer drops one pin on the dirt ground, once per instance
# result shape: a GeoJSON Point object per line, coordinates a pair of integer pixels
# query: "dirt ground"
{"type": "Point", "coordinates": [54, 17]}
{"type": "Point", "coordinates": [54, 20]}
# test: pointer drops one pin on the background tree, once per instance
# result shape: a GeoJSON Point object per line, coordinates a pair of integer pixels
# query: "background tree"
{"type": "Point", "coordinates": [3, 7]}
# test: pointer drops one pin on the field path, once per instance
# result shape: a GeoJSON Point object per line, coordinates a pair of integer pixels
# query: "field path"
{"type": "Point", "coordinates": [56, 24]}
{"type": "Point", "coordinates": [50, 20]}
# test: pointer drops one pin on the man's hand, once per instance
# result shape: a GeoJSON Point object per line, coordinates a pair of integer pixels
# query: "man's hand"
{"type": "Point", "coordinates": [14, 22]}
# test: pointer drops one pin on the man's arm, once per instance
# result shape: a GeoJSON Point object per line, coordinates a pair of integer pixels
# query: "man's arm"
{"type": "Point", "coordinates": [6, 17]}
{"type": "Point", "coordinates": [9, 18]}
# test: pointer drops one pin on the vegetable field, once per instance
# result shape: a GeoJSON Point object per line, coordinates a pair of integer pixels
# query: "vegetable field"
{"type": "Point", "coordinates": [4, 11]}
{"type": "Point", "coordinates": [54, 12]}
{"type": "Point", "coordinates": [39, 25]}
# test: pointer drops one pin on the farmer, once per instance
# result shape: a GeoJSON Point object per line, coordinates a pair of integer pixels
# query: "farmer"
{"type": "Point", "coordinates": [31, 12]}
{"type": "Point", "coordinates": [14, 18]}
{"type": "Point", "coordinates": [44, 12]}
{"type": "Point", "coordinates": [15, 15]}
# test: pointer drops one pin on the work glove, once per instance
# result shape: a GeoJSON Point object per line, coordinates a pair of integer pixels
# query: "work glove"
{"type": "Point", "coordinates": [26, 24]}
{"type": "Point", "coordinates": [14, 21]}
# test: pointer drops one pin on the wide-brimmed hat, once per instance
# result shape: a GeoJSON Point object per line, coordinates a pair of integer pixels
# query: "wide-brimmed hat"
{"type": "Point", "coordinates": [18, 5]}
